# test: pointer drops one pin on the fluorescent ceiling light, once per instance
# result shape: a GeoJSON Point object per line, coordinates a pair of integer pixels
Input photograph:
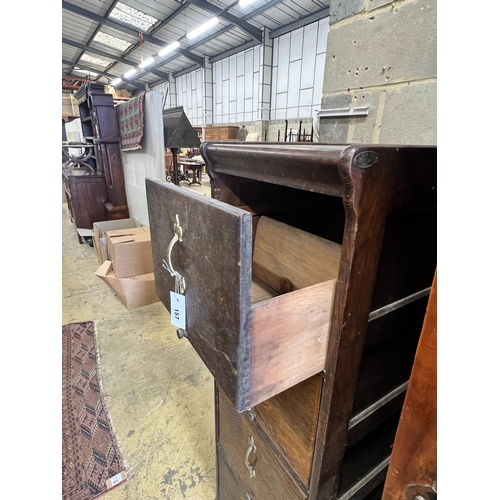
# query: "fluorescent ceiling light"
{"type": "Point", "coordinates": [147, 62]}
{"type": "Point", "coordinates": [112, 41]}
{"type": "Point", "coordinates": [168, 48]}
{"type": "Point", "coordinates": [95, 60]}
{"type": "Point", "coordinates": [133, 71]}
{"type": "Point", "coordinates": [203, 27]}
{"type": "Point", "coordinates": [116, 81]}
{"type": "Point", "coordinates": [244, 3]}
{"type": "Point", "coordinates": [134, 17]}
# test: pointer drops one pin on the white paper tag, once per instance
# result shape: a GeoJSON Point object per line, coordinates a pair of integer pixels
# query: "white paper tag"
{"type": "Point", "coordinates": [178, 310]}
{"type": "Point", "coordinates": [113, 481]}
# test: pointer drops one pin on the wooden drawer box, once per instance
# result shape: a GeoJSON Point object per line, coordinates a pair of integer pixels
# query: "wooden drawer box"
{"type": "Point", "coordinates": [255, 342]}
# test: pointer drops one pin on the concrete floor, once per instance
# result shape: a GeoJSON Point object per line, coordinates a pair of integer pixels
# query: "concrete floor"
{"type": "Point", "coordinates": [159, 392]}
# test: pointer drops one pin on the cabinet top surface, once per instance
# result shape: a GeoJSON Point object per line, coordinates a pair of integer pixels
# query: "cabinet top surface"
{"type": "Point", "coordinates": [325, 168]}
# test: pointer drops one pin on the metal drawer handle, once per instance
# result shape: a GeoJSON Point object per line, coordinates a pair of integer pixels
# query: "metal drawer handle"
{"type": "Point", "coordinates": [251, 448]}
{"type": "Point", "coordinates": [180, 282]}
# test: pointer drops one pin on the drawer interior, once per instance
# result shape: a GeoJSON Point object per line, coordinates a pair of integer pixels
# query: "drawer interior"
{"type": "Point", "coordinates": [293, 281]}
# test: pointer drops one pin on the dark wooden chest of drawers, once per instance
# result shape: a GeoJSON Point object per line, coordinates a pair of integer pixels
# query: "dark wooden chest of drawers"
{"type": "Point", "coordinates": [306, 279]}
{"type": "Point", "coordinates": [86, 196]}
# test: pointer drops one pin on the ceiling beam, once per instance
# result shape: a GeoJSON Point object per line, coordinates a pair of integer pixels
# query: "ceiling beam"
{"type": "Point", "coordinates": [130, 31]}
{"type": "Point", "coordinates": [301, 22]}
{"type": "Point", "coordinates": [140, 86]}
{"type": "Point", "coordinates": [254, 32]}
{"type": "Point", "coordinates": [171, 17]}
{"type": "Point", "coordinates": [227, 28]}
{"type": "Point", "coordinates": [234, 50]}
{"type": "Point", "coordinates": [185, 71]}
{"type": "Point", "coordinates": [88, 48]}
{"type": "Point", "coordinates": [260, 10]}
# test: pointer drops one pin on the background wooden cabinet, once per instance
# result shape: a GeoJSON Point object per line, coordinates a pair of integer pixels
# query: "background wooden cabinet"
{"type": "Point", "coordinates": [221, 133]}
{"type": "Point", "coordinates": [97, 196]}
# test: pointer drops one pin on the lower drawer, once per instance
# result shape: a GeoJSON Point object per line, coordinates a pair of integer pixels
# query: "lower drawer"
{"type": "Point", "coordinates": [258, 469]}
{"type": "Point", "coordinates": [228, 487]}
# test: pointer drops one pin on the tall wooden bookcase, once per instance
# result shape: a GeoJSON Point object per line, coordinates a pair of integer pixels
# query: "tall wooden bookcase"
{"type": "Point", "coordinates": [99, 195]}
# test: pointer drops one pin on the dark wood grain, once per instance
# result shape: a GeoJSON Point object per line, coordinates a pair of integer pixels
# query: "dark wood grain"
{"type": "Point", "coordinates": [215, 259]}
{"type": "Point", "coordinates": [86, 196]}
{"type": "Point", "coordinates": [271, 478]}
{"type": "Point", "coordinates": [299, 165]}
{"type": "Point", "coordinates": [228, 487]}
{"type": "Point", "coordinates": [408, 256]}
{"type": "Point", "coordinates": [384, 367]}
{"type": "Point", "coordinates": [365, 456]}
{"type": "Point", "coordinates": [369, 197]}
{"type": "Point", "coordinates": [414, 458]}
{"type": "Point", "coordinates": [367, 200]}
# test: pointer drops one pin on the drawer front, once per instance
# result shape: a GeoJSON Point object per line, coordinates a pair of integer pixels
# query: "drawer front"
{"type": "Point", "coordinates": [258, 468]}
{"type": "Point", "coordinates": [227, 485]}
{"type": "Point", "coordinates": [214, 257]}
{"type": "Point", "coordinates": [290, 421]}
{"type": "Point", "coordinates": [254, 350]}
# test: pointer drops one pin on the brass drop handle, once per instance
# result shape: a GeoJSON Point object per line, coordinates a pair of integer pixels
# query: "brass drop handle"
{"type": "Point", "coordinates": [180, 282]}
{"type": "Point", "coordinates": [251, 448]}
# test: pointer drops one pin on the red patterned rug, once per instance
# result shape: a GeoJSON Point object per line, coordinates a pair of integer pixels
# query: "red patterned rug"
{"type": "Point", "coordinates": [130, 116]}
{"type": "Point", "coordinates": [91, 459]}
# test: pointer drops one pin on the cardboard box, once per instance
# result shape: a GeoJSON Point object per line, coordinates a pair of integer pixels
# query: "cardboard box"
{"type": "Point", "coordinates": [99, 236]}
{"type": "Point", "coordinates": [133, 292]}
{"type": "Point", "coordinates": [130, 251]}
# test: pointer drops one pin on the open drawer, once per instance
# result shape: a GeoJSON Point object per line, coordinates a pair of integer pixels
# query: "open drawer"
{"type": "Point", "coordinates": [258, 299]}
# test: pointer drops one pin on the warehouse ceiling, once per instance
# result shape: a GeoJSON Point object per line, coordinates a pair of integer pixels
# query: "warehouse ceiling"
{"type": "Point", "coordinates": [104, 40]}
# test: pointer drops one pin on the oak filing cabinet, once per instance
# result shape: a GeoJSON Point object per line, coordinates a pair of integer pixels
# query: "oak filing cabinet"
{"type": "Point", "coordinates": [306, 277]}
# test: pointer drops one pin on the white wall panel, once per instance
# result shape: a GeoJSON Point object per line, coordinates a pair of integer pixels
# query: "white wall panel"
{"type": "Point", "coordinates": [281, 106]}
{"type": "Point", "coordinates": [190, 95]}
{"type": "Point", "coordinates": [308, 62]}
{"type": "Point", "coordinates": [293, 83]}
{"type": "Point", "coordinates": [296, 39]}
{"type": "Point", "coordinates": [283, 62]}
{"type": "Point", "coordinates": [323, 28]}
{"type": "Point", "coordinates": [298, 68]}
{"type": "Point", "coordinates": [296, 79]}
{"type": "Point", "coordinates": [225, 69]}
{"type": "Point", "coordinates": [218, 113]}
{"type": "Point", "coordinates": [240, 93]}
{"type": "Point", "coordinates": [240, 64]}
{"type": "Point", "coordinates": [232, 79]}
{"type": "Point", "coordinates": [225, 102]}
{"type": "Point", "coordinates": [318, 79]}
{"type": "Point", "coordinates": [248, 109]}
{"type": "Point", "coordinates": [305, 103]}
{"type": "Point", "coordinates": [255, 91]}
{"type": "Point", "coordinates": [218, 81]}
